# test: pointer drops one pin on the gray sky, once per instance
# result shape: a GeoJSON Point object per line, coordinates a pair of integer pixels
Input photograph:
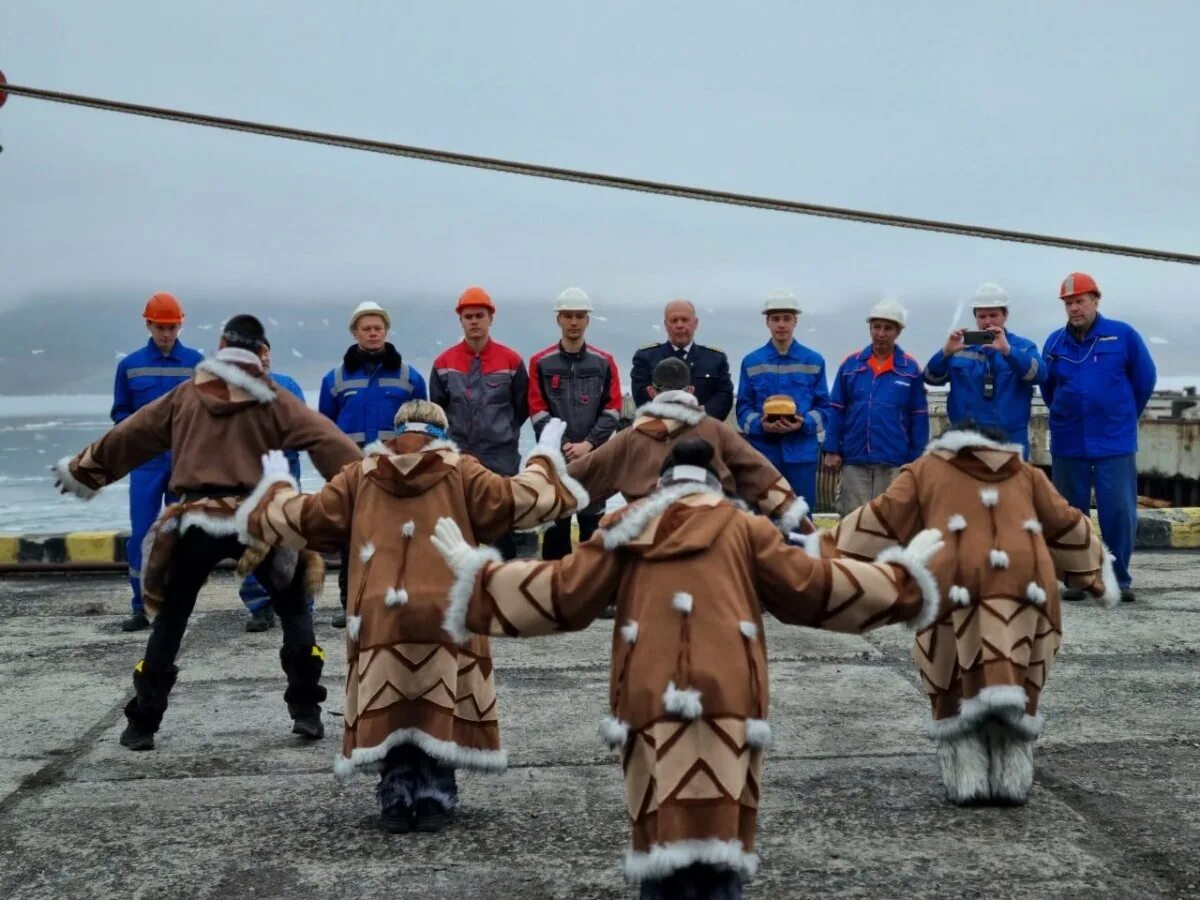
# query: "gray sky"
{"type": "Point", "coordinates": [1063, 117]}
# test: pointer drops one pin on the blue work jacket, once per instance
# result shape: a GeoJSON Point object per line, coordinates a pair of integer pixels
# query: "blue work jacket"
{"type": "Point", "coordinates": [147, 374]}
{"type": "Point", "coordinates": [877, 418]}
{"type": "Point", "coordinates": [363, 403]}
{"type": "Point", "coordinates": [1014, 377]}
{"type": "Point", "coordinates": [1096, 389]}
{"type": "Point", "coordinates": [290, 385]}
{"type": "Point", "coordinates": [800, 374]}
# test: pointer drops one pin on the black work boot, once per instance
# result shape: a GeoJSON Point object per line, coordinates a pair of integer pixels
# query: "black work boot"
{"type": "Point", "coordinates": [144, 711]}
{"type": "Point", "coordinates": [436, 795]}
{"type": "Point", "coordinates": [1073, 595]}
{"type": "Point", "coordinates": [397, 788]}
{"type": "Point", "coordinates": [305, 692]}
{"type": "Point", "coordinates": [263, 620]}
{"type": "Point", "coordinates": [136, 622]}
{"type": "Point", "coordinates": [1127, 595]}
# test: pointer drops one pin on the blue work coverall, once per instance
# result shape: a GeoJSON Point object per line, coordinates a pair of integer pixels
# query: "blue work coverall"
{"type": "Point", "coordinates": [800, 374]}
{"type": "Point", "coordinates": [142, 377]}
{"type": "Point", "coordinates": [1014, 377]}
{"type": "Point", "coordinates": [877, 416]}
{"type": "Point", "coordinates": [1096, 389]}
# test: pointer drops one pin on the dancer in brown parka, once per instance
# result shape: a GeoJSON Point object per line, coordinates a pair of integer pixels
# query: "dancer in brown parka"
{"type": "Point", "coordinates": [418, 706]}
{"type": "Point", "coordinates": [688, 688]}
{"type": "Point", "coordinates": [1011, 539]}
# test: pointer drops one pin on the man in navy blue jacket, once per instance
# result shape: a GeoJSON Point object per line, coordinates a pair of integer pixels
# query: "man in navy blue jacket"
{"type": "Point", "coordinates": [142, 377]}
{"type": "Point", "coordinates": [1100, 379]}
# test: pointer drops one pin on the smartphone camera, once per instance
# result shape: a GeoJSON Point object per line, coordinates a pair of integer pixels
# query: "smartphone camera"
{"type": "Point", "coordinates": [978, 337]}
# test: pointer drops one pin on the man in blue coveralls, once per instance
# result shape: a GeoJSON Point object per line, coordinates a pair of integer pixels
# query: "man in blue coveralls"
{"type": "Point", "coordinates": [878, 419]}
{"type": "Point", "coordinates": [144, 376]}
{"type": "Point", "coordinates": [1100, 379]}
{"type": "Point", "coordinates": [363, 393]}
{"type": "Point", "coordinates": [254, 596]}
{"type": "Point", "coordinates": [990, 384]}
{"type": "Point", "coordinates": [783, 367]}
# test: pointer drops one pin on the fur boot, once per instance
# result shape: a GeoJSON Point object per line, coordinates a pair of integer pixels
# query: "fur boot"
{"type": "Point", "coordinates": [1010, 770]}
{"type": "Point", "coordinates": [965, 766]}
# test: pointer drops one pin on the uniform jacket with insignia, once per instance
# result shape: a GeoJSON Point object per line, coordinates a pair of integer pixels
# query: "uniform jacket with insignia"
{"type": "Point", "coordinates": [710, 375]}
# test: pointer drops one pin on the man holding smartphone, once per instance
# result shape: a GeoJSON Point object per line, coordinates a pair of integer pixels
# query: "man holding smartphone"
{"type": "Point", "coordinates": [991, 371]}
{"type": "Point", "coordinates": [783, 397]}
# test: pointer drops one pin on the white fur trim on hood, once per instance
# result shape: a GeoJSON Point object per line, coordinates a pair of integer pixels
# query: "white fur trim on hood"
{"type": "Point", "coordinates": [680, 406]}
{"type": "Point", "coordinates": [661, 860]}
{"type": "Point", "coordinates": [793, 516]}
{"type": "Point", "coordinates": [954, 441]}
{"type": "Point", "coordinates": [62, 472]}
{"type": "Point", "coordinates": [455, 621]}
{"type": "Point", "coordinates": [614, 732]}
{"type": "Point", "coordinates": [931, 598]}
{"type": "Point", "coordinates": [644, 511]}
{"type": "Point", "coordinates": [758, 733]}
{"type": "Point", "coordinates": [559, 463]}
{"type": "Point", "coordinates": [222, 365]}
{"type": "Point", "coordinates": [684, 703]}
{"type": "Point", "coordinates": [370, 759]}
{"type": "Point", "coordinates": [241, 516]}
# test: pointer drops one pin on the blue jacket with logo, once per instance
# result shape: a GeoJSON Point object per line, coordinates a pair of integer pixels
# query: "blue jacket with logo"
{"type": "Point", "coordinates": [1096, 389]}
{"type": "Point", "coordinates": [800, 374]}
{"type": "Point", "coordinates": [145, 375]}
{"type": "Point", "coordinates": [363, 403]}
{"type": "Point", "coordinates": [881, 419]}
{"type": "Point", "coordinates": [1014, 376]}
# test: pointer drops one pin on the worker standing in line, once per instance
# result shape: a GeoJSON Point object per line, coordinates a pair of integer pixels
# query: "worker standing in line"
{"type": "Point", "coordinates": [878, 419]}
{"type": "Point", "coordinates": [142, 377]}
{"type": "Point", "coordinates": [709, 365]}
{"type": "Point", "coordinates": [364, 392]}
{"type": "Point", "coordinates": [579, 384]}
{"type": "Point", "coordinates": [991, 384]}
{"type": "Point", "coordinates": [1100, 379]}
{"type": "Point", "coordinates": [783, 398]}
{"type": "Point", "coordinates": [484, 389]}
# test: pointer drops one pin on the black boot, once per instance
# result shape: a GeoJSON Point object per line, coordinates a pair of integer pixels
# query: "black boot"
{"type": "Point", "coordinates": [263, 620]}
{"type": "Point", "coordinates": [436, 795]}
{"type": "Point", "coordinates": [305, 693]}
{"type": "Point", "coordinates": [397, 787]}
{"type": "Point", "coordinates": [136, 622]}
{"type": "Point", "coordinates": [144, 712]}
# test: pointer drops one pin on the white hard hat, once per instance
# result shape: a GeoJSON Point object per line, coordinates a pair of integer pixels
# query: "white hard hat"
{"type": "Point", "coordinates": [369, 308]}
{"type": "Point", "coordinates": [989, 296]}
{"type": "Point", "coordinates": [573, 299]}
{"type": "Point", "coordinates": [781, 301]}
{"type": "Point", "coordinates": [888, 310]}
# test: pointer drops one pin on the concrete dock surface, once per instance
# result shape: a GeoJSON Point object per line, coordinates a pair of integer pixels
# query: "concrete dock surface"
{"type": "Point", "coordinates": [232, 805]}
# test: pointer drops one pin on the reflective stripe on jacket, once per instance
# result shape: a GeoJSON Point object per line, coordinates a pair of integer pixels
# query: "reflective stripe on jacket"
{"type": "Point", "coordinates": [800, 374]}
{"type": "Point", "coordinates": [364, 404]}
{"type": "Point", "coordinates": [145, 375]}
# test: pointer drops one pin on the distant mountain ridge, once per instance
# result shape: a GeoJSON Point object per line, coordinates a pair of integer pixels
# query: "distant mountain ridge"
{"type": "Point", "coordinates": [68, 343]}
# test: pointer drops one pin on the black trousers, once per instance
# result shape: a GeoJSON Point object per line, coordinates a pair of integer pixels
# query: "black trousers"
{"type": "Point", "coordinates": [195, 556]}
{"type": "Point", "coordinates": [556, 540]}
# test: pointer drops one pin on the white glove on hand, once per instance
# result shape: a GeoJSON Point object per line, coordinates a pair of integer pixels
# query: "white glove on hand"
{"type": "Point", "coordinates": [552, 435]}
{"type": "Point", "coordinates": [274, 463]}
{"type": "Point", "coordinates": [925, 546]}
{"type": "Point", "coordinates": [448, 540]}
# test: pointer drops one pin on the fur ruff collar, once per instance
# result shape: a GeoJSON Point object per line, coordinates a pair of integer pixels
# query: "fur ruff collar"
{"type": "Point", "coordinates": [242, 369]}
{"type": "Point", "coordinates": [682, 406]}
{"type": "Point", "coordinates": [957, 441]}
{"type": "Point", "coordinates": [642, 513]}
{"type": "Point", "coordinates": [379, 448]}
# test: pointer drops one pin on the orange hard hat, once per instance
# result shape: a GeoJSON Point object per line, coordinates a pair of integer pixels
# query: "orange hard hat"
{"type": "Point", "coordinates": [163, 309]}
{"type": "Point", "coordinates": [1078, 283]}
{"type": "Point", "coordinates": [475, 296]}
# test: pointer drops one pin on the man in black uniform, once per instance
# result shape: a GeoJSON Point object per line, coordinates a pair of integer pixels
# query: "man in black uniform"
{"type": "Point", "coordinates": [710, 366]}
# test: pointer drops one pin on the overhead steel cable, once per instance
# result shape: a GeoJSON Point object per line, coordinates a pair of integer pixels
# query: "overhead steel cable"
{"type": "Point", "coordinates": [599, 179]}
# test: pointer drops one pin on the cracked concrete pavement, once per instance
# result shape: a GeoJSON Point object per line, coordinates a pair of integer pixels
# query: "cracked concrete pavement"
{"type": "Point", "coordinates": [232, 805]}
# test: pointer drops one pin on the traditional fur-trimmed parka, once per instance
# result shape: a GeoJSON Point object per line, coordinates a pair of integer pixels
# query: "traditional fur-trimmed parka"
{"type": "Point", "coordinates": [688, 686]}
{"type": "Point", "coordinates": [1010, 539]}
{"type": "Point", "coordinates": [406, 682]}
{"type": "Point", "coordinates": [630, 461]}
{"type": "Point", "coordinates": [217, 426]}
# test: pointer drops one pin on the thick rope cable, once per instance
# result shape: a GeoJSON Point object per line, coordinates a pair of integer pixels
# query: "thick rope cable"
{"type": "Point", "coordinates": [598, 179]}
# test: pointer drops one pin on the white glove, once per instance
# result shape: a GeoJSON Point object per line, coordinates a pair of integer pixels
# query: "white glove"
{"type": "Point", "coordinates": [552, 435]}
{"type": "Point", "coordinates": [274, 463]}
{"type": "Point", "coordinates": [448, 540]}
{"type": "Point", "coordinates": [925, 546]}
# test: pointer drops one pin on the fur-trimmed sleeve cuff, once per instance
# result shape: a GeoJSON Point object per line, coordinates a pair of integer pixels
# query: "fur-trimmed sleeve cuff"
{"type": "Point", "coordinates": [62, 472]}
{"type": "Point", "coordinates": [260, 493]}
{"type": "Point", "coordinates": [466, 572]}
{"type": "Point", "coordinates": [558, 464]}
{"type": "Point", "coordinates": [930, 596]}
{"type": "Point", "coordinates": [793, 516]}
{"type": "Point", "coordinates": [1111, 598]}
